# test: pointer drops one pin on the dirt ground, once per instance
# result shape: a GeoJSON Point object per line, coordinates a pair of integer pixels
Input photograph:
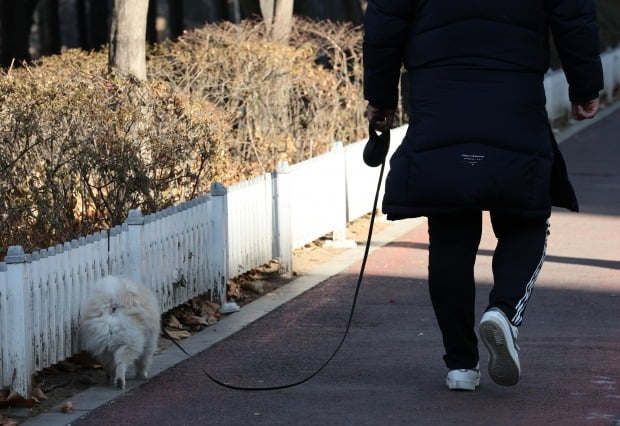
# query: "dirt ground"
{"type": "Point", "coordinates": [55, 386]}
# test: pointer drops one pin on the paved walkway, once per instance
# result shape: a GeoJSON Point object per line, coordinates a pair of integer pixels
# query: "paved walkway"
{"type": "Point", "coordinates": [389, 371]}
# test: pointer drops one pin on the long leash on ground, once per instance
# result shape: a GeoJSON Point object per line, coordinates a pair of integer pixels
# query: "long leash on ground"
{"type": "Point", "coordinates": [375, 152]}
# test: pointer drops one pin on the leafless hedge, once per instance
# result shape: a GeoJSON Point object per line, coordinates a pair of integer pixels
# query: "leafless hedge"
{"type": "Point", "coordinates": [286, 104]}
{"type": "Point", "coordinates": [80, 147]}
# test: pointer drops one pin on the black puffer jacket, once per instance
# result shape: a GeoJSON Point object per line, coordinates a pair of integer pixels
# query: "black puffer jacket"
{"type": "Point", "coordinates": [478, 135]}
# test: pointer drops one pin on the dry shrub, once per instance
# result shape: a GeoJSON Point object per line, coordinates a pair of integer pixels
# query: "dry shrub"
{"type": "Point", "coordinates": [286, 106]}
{"type": "Point", "coordinates": [338, 48]}
{"type": "Point", "coordinates": [80, 148]}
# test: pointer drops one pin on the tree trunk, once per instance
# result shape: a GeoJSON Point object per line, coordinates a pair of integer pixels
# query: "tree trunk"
{"type": "Point", "coordinates": [82, 27]}
{"type": "Point", "coordinates": [222, 10]}
{"type": "Point", "coordinates": [283, 20]}
{"type": "Point", "coordinates": [128, 37]}
{"type": "Point", "coordinates": [49, 27]}
{"type": "Point", "coordinates": [267, 8]}
{"type": "Point", "coordinates": [249, 9]}
{"type": "Point", "coordinates": [16, 21]}
{"type": "Point", "coordinates": [234, 11]}
{"type": "Point", "coordinates": [215, 10]}
{"type": "Point", "coordinates": [98, 23]}
{"type": "Point", "coordinates": [68, 24]}
{"type": "Point", "coordinates": [151, 23]}
{"type": "Point", "coordinates": [339, 11]}
{"type": "Point", "coordinates": [175, 18]}
{"type": "Point", "coordinates": [278, 16]}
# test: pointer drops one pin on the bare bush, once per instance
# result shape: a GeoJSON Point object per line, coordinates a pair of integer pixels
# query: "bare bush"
{"type": "Point", "coordinates": [285, 105]}
{"type": "Point", "coordinates": [80, 147]}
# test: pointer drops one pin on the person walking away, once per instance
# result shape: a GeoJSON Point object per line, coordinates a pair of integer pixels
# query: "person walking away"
{"type": "Point", "coordinates": [478, 140]}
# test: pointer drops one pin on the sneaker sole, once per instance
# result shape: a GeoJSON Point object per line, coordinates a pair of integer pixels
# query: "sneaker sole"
{"type": "Point", "coordinates": [461, 385]}
{"type": "Point", "coordinates": [502, 366]}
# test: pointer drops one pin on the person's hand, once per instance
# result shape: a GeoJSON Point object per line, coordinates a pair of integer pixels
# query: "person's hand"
{"type": "Point", "coordinates": [585, 110]}
{"type": "Point", "coordinates": [382, 118]}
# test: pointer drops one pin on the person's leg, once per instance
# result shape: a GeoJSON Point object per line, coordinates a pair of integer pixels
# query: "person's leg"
{"type": "Point", "coordinates": [454, 240]}
{"type": "Point", "coordinates": [518, 258]}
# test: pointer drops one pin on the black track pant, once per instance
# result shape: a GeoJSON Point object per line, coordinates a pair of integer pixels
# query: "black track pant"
{"type": "Point", "coordinates": [518, 257]}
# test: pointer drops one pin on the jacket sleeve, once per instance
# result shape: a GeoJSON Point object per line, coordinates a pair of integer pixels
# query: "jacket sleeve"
{"type": "Point", "coordinates": [575, 32]}
{"type": "Point", "coordinates": [386, 29]}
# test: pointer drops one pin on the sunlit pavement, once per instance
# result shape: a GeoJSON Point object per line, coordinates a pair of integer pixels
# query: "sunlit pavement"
{"type": "Point", "coordinates": [389, 371]}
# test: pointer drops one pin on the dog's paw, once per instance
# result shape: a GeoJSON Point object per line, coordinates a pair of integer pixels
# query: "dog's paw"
{"type": "Point", "coordinates": [120, 382]}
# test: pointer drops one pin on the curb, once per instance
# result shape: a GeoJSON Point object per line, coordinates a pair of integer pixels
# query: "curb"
{"type": "Point", "coordinates": [98, 395]}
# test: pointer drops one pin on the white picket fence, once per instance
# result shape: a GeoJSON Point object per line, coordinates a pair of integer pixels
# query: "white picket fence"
{"type": "Point", "coordinates": [195, 247]}
{"type": "Point", "coordinates": [181, 252]}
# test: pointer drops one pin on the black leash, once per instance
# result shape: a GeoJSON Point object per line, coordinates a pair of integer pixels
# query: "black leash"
{"type": "Point", "coordinates": [374, 154]}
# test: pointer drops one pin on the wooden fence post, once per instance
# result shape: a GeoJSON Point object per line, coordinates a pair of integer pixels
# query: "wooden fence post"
{"type": "Point", "coordinates": [135, 257]}
{"type": "Point", "coordinates": [283, 240]}
{"type": "Point", "coordinates": [217, 246]}
{"type": "Point", "coordinates": [19, 317]}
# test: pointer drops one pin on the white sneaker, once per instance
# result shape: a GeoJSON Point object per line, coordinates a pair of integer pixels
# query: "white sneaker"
{"type": "Point", "coordinates": [464, 379]}
{"type": "Point", "coordinates": [500, 338]}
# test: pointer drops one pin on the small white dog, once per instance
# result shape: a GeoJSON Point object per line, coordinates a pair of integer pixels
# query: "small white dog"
{"type": "Point", "coordinates": [120, 324]}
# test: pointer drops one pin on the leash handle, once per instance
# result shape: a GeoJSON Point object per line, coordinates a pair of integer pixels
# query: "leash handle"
{"type": "Point", "coordinates": [377, 147]}
{"type": "Point", "coordinates": [350, 320]}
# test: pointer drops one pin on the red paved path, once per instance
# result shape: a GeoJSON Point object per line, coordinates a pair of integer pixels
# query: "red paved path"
{"type": "Point", "coordinates": [390, 370]}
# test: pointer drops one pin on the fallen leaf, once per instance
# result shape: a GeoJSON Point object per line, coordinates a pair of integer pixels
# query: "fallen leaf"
{"type": "Point", "coordinates": [16, 400]}
{"type": "Point", "coordinates": [7, 421]}
{"type": "Point", "coordinates": [67, 407]}
{"type": "Point", "coordinates": [193, 320]}
{"type": "Point", "coordinates": [254, 286]}
{"type": "Point", "coordinates": [39, 394]}
{"type": "Point", "coordinates": [174, 322]}
{"type": "Point", "coordinates": [196, 303]}
{"type": "Point", "coordinates": [256, 276]}
{"type": "Point", "coordinates": [209, 308]}
{"type": "Point", "coordinates": [234, 289]}
{"type": "Point", "coordinates": [178, 334]}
